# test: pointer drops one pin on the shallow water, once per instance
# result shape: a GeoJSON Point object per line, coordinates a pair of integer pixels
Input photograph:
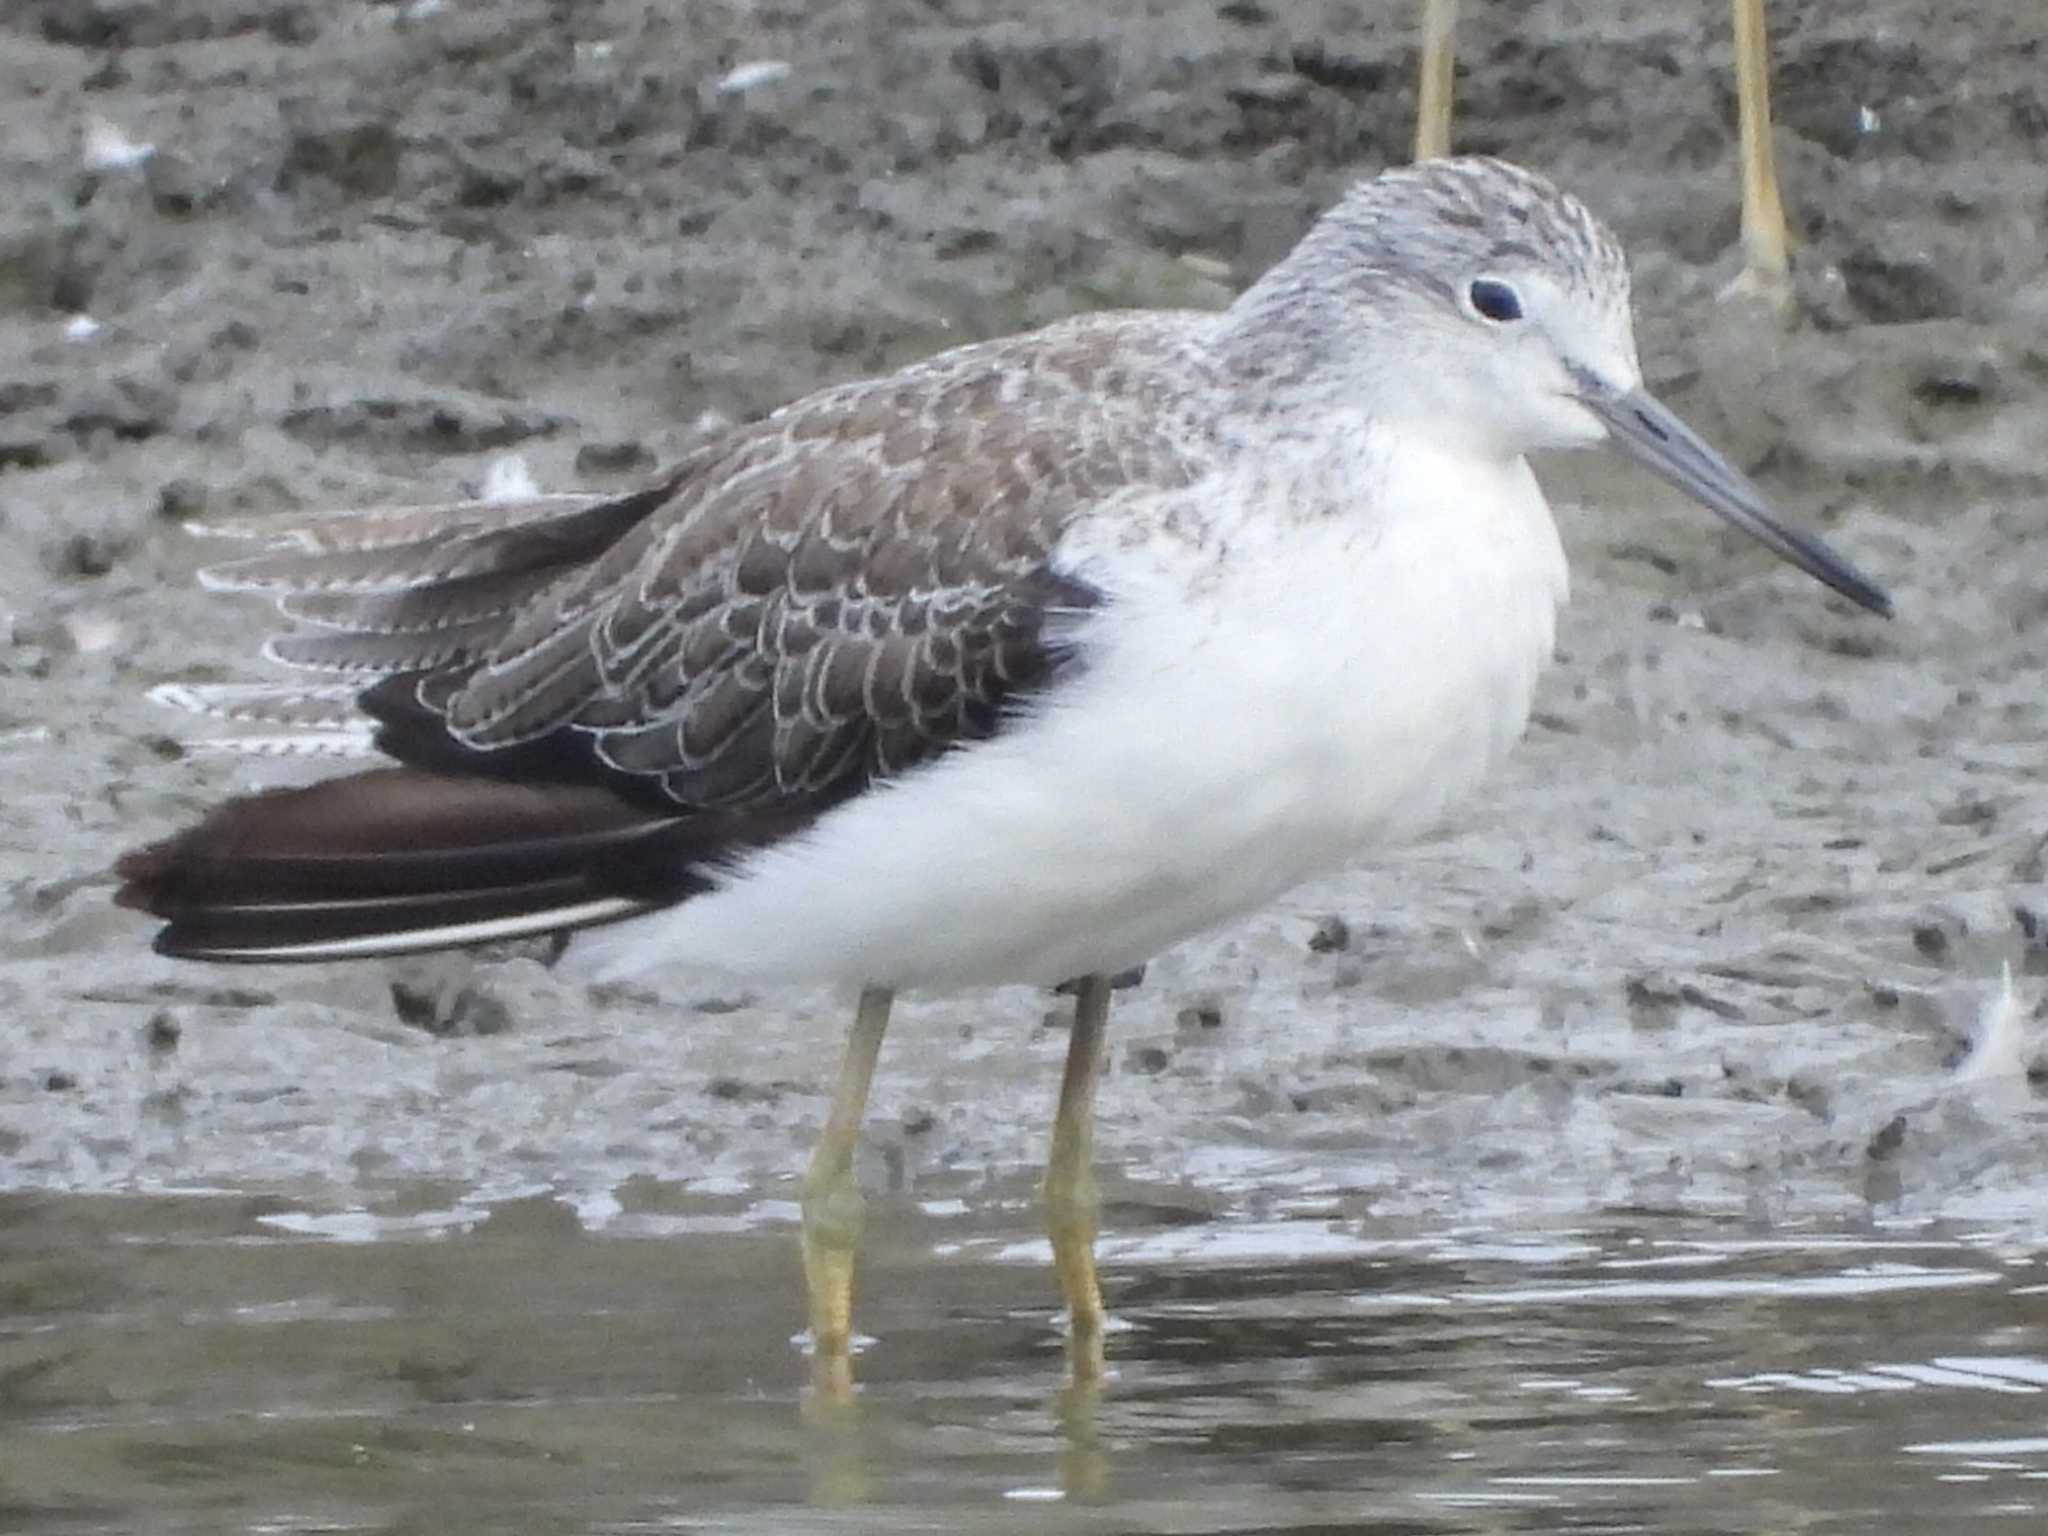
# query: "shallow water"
{"type": "Point", "coordinates": [1641, 1163]}
{"type": "Point", "coordinates": [239, 1364]}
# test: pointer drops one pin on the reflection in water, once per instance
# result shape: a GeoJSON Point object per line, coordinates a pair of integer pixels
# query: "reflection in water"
{"type": "Point", "coordinates": [227, 1364]}
{"type": "Point", "coordinates": [839, 1456]}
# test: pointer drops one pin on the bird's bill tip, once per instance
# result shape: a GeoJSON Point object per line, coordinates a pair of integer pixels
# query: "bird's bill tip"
{"type": "Point", "coordinates": [1654, 435]}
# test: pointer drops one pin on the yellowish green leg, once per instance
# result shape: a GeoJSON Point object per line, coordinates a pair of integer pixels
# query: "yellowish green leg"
{"type": "Point", "coordinates": [1766, 243]}
{"type": "Point", "coordinates": [833, 1205]}
{"type": "Point", "coordinates": [1071, 1198]}
{"type": "Point", "coordinates": [1439, 54]}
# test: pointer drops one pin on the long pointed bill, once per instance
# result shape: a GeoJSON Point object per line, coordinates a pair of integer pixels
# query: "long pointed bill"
{"type": "Point", "coordinates": [1651, 434]}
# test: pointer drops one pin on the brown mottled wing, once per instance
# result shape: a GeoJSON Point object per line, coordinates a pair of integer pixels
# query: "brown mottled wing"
{"type": "Point", "coordinates": [597, 699]}
{"type": "Point", "coordinates": [851, 587]}
{"type": "Point", "coordinates": [804, 605]}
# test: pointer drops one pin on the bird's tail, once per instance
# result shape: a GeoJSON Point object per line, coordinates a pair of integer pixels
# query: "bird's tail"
{"type": "Point", "coordinates": [399, 860]}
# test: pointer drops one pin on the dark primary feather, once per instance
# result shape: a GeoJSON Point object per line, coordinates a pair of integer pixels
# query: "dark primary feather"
{"type": "Point", "coordinates": [801, 607]}
{"type": "Point", "coordinates": [403, 856]}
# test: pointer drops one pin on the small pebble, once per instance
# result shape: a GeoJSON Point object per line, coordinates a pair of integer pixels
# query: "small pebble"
{"type": "Point", "coordinates": [1146, 1060]}
{"type": "Point", "coordinates": [443, 1011]}
{"type": "Point", "coordinates": [174, 185]}
{"type": "Point", "coordinates": [1931, 940]}
{"type": "Point", "coordinates": [1889, 1138]}
{"type": "Point", "coordinates": [179, 499]}
{"type": "Point", "coordinates": [88, 554]}
{"type": "Point", "coordinates": [613, 458]}
{"type": "Point", "coordinates": [735, 1090]}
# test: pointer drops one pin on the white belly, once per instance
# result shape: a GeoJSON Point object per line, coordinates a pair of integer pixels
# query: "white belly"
{"type": "Point", "coordinates": [1239, 725]}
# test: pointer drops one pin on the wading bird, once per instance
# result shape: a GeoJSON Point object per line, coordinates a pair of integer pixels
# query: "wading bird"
{"type": "Point", "coordinates": [1017, 665]}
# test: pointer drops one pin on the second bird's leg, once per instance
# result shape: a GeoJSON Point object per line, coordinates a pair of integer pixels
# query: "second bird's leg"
{"type": "Point", "coordinates": [1071, 1200]}
{"type": "Point", "coordinates": [833, 1205]}
{"type": "Point", "coordinates": [1439, 58]}
{"type": "Point", "coordinates": [1766, 244]}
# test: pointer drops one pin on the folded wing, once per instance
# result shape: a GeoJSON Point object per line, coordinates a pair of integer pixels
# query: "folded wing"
{"type": "Point", "coordinates": [598, 701]}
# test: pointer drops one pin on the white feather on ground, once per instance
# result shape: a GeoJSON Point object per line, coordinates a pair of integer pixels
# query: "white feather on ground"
{"type": "Point", "coordinates": [1997, 1063]}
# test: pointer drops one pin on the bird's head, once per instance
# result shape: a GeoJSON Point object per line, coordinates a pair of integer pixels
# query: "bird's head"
{"type": "Point", "coordinates": [1471, 301]}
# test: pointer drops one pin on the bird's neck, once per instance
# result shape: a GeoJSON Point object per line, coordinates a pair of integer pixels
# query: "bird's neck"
{"type": "Point", "coordinates": [1274, 341]}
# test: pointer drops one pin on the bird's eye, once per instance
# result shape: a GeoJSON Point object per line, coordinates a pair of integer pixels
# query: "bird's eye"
{"type": "Point", "coordinates": [1495, 300]}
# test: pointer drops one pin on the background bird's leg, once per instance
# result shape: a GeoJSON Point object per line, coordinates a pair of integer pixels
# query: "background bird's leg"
{"type": "Point", "coordinates": [1439, 54]}
{"type": "Point", "coordinates": [1071, 1200]}
{"type": "Point", "coordinates": [1766, 244]}
{"type": "Point", "coordinates": [833, 1206]}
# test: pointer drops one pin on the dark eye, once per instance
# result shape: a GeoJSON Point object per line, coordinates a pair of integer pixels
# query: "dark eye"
{"type": "Point", "coordinates": [1495, 300]}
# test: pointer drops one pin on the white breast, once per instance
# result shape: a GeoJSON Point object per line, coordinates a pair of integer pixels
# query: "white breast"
{"type": "Point", "coordinates": [1282, 678]}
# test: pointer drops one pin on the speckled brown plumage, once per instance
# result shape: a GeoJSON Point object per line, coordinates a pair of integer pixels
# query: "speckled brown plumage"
{"type": "Point", "coordinates": [799, 608]}
{"type": "Point", "coordinates": [803, 605]}
{"type": "Point", "coordinates": [1270, 511]}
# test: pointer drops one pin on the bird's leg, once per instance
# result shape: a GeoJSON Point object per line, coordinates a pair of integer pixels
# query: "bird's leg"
{"type": "Point", "coordinates": [1766, 244]}
{"type": "Point", "coordinates": [1439, 54]}
{"type": "Point", "coordinates": [1071, 1200]}
{"type": "Point", "coordinates": [833, 1206]}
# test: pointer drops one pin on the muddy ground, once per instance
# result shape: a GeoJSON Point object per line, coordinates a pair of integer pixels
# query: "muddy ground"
{"type": "Point", "coordinates": [1720, 941]}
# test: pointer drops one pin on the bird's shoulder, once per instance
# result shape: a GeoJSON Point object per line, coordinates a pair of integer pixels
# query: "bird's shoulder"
{"type": "Point", "coordinates": [950, 471]}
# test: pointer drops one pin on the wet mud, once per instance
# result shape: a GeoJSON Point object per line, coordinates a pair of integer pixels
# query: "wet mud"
{"type": "Point", "coordinates": [1728, 936]}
